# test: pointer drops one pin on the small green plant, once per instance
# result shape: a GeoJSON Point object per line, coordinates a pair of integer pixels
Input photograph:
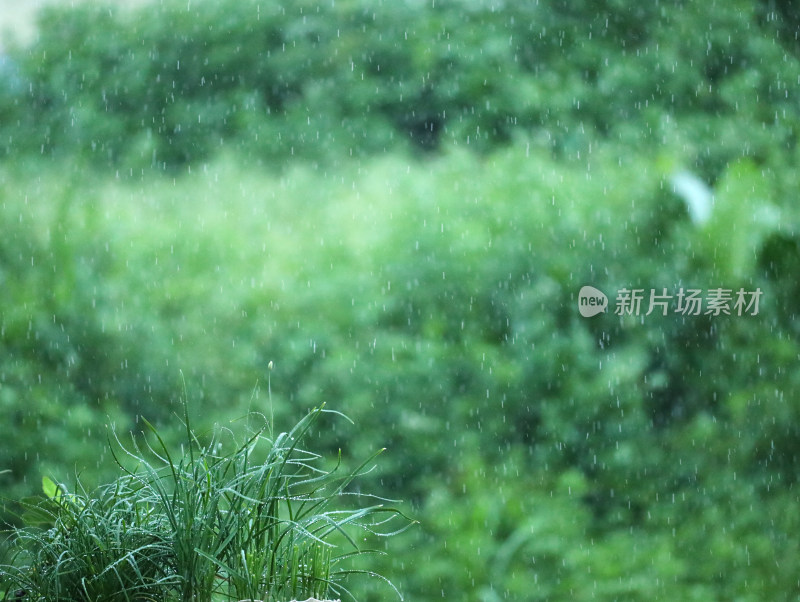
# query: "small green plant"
{"type": "Point", "coordinates": [205, 526]}
{"type": "Point", "coordinates": [99, 547]}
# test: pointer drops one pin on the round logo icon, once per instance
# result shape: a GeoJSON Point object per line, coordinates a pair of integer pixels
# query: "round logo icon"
{"type": "Point", "coordinates": [591, 301]}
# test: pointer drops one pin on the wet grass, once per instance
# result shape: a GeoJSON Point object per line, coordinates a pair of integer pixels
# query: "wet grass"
{"type": "Point", "coordinates": [250, 524]}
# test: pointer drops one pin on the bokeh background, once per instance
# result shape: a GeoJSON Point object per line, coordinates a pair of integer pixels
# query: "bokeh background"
{"type": "Point", "coordinates": [397, 203]}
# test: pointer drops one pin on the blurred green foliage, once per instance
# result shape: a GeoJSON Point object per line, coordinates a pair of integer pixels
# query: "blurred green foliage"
{"type": "Point", "coordinates": [171, 83]}
{"type": "Point", "coordinates": [176, 193]}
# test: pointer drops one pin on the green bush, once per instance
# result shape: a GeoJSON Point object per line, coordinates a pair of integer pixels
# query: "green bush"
{"type": "Point", "coordinates": [429, 289]}
{"type": "Point", "coordinates": [429, 300]}
{"type": "Point", "coordinates": [165, 85]}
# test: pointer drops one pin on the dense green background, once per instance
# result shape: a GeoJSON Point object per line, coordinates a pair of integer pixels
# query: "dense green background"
{"type": "Point", "coordinates": [397, 203]}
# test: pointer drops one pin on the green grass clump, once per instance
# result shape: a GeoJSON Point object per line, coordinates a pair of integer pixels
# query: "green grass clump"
{"type": "Point", "coordinates": [106, 546]}
{"type": "Point", "coordinates": [204, 526]}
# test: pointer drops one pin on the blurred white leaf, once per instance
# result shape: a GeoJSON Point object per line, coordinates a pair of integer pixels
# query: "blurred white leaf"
{"type": "Point", "coordinates": [696, 193]}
